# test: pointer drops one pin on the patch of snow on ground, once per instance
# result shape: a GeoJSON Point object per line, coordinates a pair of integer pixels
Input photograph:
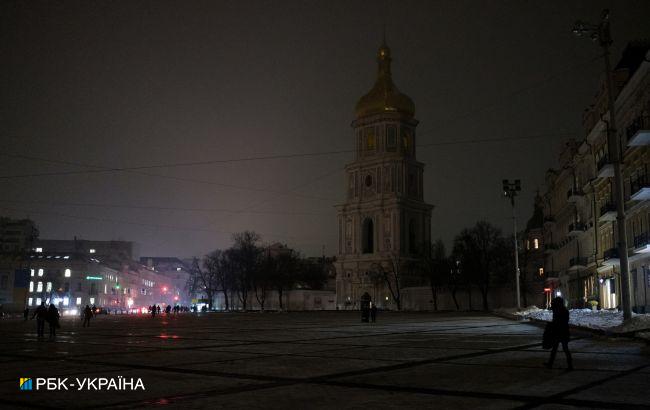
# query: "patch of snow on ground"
{"type": "Point", "coordinates": [600, 319]}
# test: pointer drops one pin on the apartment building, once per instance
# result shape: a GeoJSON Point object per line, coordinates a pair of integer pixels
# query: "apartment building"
{"type": "Point", "coordinates": [581, 237]}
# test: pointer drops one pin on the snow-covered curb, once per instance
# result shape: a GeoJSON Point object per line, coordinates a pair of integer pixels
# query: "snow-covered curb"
{"type": "Point", "coordinates": [607, 320]}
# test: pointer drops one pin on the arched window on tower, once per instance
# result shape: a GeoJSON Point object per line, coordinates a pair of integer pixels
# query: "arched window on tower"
{"type": "Point", "coordinates": [368, 236]}
{"type": "Point", "coordinates": [413, 245]}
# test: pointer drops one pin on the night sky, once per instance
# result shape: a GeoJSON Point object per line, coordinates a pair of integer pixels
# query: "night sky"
{"type": "Point", "coordinates": [90, 86]}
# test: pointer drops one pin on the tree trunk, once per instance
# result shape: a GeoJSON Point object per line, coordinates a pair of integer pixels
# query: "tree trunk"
{"type": "Point", "coordinates": [434, 295]}
{"type": "Point", "coordinates": [484, 295]}
{"type": "Point", "coordinates": [453, 296]}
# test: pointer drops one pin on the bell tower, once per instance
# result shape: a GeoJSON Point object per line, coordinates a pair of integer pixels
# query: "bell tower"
{"type": "Point", "coordinates": [384, 217]}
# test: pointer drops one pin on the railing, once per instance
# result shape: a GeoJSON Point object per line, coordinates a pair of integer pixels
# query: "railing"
{"type": "Point", "coordinates": [574, 191]}
{"type": "Point", "coordinates": [639, 123]}
{"type": "Point", "coordinates": [578, 226]}
{"type": "Point", "coordinates": [611, 253]}
{"type": "Point", "coordinates": [608, 207]}
{"type": "Point", "coordinates": [602, 162]}
{"type": "Point", "coordinates": [638, 183]}
{"type": "Point", "coordinates": [641, 240]}
{"type": "Point", "coordinates": [578, 261]}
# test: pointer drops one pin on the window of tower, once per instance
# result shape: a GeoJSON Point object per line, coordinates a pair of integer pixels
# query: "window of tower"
{"type": "Point", "coordinates": [368, 236]}
{"type": "Point", "coordinates": [413, 245]}
{"type": "Point", "coordinates": [371, 141]}
{"type": "Point", "coordinates": [391, 138]}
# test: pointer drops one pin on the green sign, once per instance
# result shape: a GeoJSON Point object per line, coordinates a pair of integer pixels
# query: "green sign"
{"type": "Point", "coordinates": [94, 278]}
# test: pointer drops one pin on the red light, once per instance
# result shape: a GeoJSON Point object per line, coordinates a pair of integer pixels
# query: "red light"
{"type": "Point", "coordinates": [175, 297]}
{"type": "Point", "coordinates": [164, 288]}
{"type": "Point", "coordinates": [547, 290]}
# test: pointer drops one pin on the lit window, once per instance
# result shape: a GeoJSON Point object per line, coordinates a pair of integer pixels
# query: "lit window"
{"type": "Point", "coordinates": [92, 301]}
{"type": "Point", "coordinates": [40, 272]}
{"type": "Point", "coordinates": [30, 301]}
{"type": "Point", "coordinates": [536, 243]}
{"type": "Point", "coordinates": [38, 301]}
{"type": "Point", "coordinates": [39, 288]}
{"type": "Point", "coordinates": [39, 250]}
{"type": "Point", "coordinates": [541, 271]}
{"type": "Point", "coordinates": [78, 301]}
{"type": "Point", "coordinates": [47, 301]}
{"type": "Point", "coordinates": [48, 288]}
{"type": "Point", "coordinates": [66, 257]}
{"type": "Point", "coordinates": [31, 286]}
{"type": "Point", "coordinates": [527, 244]}
{"type": "Point", "coordinates": [66, 301]}
{"type": "Point", "coordinates": [31, 272]}
{"type": "Point", "coordinates": [68, 273]}
{"type": "Point", "coordinates": [92, 251]}
{"type": "Point", "coordinates": [178, 269]}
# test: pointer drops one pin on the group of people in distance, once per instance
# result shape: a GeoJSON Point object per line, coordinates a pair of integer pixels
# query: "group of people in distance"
{"type": "Point", "coordinates": [155, 309]}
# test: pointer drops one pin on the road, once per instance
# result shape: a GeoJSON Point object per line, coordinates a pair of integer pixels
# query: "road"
{"type": "Point", "coordinates": [319, 360]}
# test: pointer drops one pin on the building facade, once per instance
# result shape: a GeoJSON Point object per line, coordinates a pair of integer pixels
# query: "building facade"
{"type": "Point", "coordinates": [384, 219]}
{"type": "Point", "coordinates": [581, 237]}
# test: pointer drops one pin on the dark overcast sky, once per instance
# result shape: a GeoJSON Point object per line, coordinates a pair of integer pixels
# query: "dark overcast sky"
{"type": "Point", "coordinates": [130, 83]}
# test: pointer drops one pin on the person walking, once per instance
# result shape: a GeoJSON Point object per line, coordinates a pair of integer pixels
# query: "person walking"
{"type": "Point", "coordinates": [53, 320]}
{"type": "Point", "coordinates": [559, 332]}
{"type": "Point", "coordinates": [26, 313]}
{"type": "Point", "coordinates": [40, 314]}
{"type": "Point", "coordinates": [87, 314]}
{"type": "Point", "coordinates": [373, 312]}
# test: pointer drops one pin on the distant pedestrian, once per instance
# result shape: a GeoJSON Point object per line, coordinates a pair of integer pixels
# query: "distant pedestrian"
{"type": "Point", "coordinates": [153, 310]}
{"type": "Point", "coordinates": [87, 315]}
{"type": "Point", "coordinates": [53, 320]}
{"type": "Point", "coordinates": [40, 314]}
{"type": "Point", "coordinates": [168, 309]}
{"type": "Point", "coordinates": [158, 309]}
{"type": "Point", "coordinates": [559, 332]}
{"type": "Point", "coordinates": [373, 313]}
{"type": "Point", "coordinates": [26, 313]}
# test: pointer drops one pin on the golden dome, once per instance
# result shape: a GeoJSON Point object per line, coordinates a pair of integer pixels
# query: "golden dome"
{"type": "Point", "coordinates": [384, 96]}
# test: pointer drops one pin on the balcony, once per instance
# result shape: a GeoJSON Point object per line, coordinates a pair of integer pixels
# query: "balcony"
{"type": "Point", "coordinates": [607, 212]}
{"type": "Point", "coordinates": [642, 243]}
{"type": "Point", "coordinates": [611, 257]}
{"type": "Point", "coordinates": [639, 188]}
{"type": "Point", "coordinates": [638, 132]}
{"type": "Point", "coordinates": [605, 168]}
{"type": "Point", "coordinates": [573, 195]}
{"type": "Point", "coordinates": [576, 229]}
{"type": "Point", "coordinates": [578, 263]}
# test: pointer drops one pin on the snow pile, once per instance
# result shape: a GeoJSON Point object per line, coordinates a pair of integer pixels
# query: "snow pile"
{"type": "Point", "coordinates": [610, 320]}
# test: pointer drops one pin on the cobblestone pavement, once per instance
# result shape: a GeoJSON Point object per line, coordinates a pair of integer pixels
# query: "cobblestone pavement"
{"type": "Point", "coordinates": [320, 360]}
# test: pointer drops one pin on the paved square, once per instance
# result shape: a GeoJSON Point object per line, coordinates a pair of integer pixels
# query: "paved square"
{"type": "Point", "coordinates": [321, 360]}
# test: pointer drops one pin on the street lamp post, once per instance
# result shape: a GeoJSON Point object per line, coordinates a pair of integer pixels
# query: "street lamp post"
{"type": "Point", "coordinates": [600, 32]}
{"type": "Point", "coordinates": [510, 190]}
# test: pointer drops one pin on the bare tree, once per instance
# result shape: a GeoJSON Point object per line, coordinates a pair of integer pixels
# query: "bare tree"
{"type": "Point", "coordinates": [218, 266]}
{"type": "Point", "coordinates": [391, 277]}
{"type": "Point", "coordinates": [245, 256]}
{"type": "Point", "coordinates": [483, 251]}
{"type": "Point", "coordinates": [203, 280]}
{"type": "Point", "coordinates": [285, 274]}
{"type": "Point", "coordinates": [436, 269]}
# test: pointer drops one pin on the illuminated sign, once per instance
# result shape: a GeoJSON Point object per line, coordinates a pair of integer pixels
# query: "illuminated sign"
{"type": "Point", "coordinates": [94, 278]}
{"type": "Point", "coordinates": [547, 290]}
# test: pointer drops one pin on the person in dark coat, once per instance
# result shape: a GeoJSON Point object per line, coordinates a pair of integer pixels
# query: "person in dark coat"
{"type": "Point", "coordinates": [53, 319]}
{"type": "Point", "coordinates": [373, 312]}
{"type": "Point", "coordinates": [560, 332]}
{"type": "Point", "coordinates": [26, 313]}
{"type": "Point", "coordinates": [87, 314]}
{"type": "Point", "coordinates": [40, 314]}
